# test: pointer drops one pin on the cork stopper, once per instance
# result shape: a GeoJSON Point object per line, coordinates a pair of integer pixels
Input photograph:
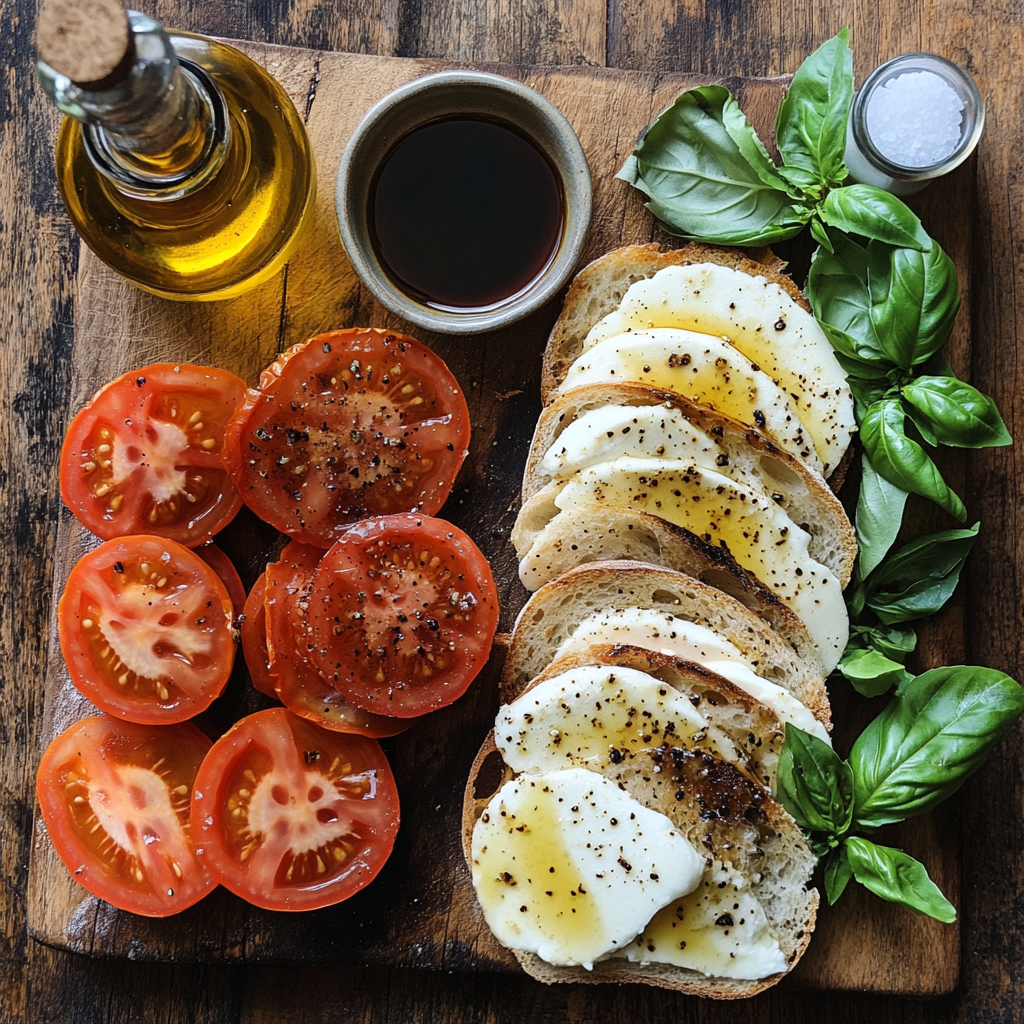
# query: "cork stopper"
{"type": "Point", "coordinates": [87, 40]}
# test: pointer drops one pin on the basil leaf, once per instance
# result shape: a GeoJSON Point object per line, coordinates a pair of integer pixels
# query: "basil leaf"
{"type": "Point", "coordinates": [936, 732]}
{"type": "Point", "coordinates": [894, 641]}
{"type": "Point", "coordinates": [868, 211]}
{"type": "Point", "coordinates": [871, 673]}
{"type": "Point", "coordinates": [898, 878]}
{"type": "Point", "coordinates": [704, 184]}
{"type": "Point", "coordinates": [838, 292]}
{"type": "Point", "coordinates": [866, 393]}
{"type": "Point", "coordinates": [955, 413]}
{"type": "Point", "coordinates": [897, 304]}
{"type": "Point", "coordinates": [837, 874]}
{"type": "Point", "coordinates": [818, 232]}
{"type": "Point", "coordinates": [919, 578]}
{"type": "Point", "coordinates": [810, 129]}
{"type": "Point", "coordinates": [814, 784]}
{"type": "Point", "coordinates": [852, 356]}
{"type": "Point", "coordinates": [914, 300]}
{"type": "Point", "coordinates": [900, 460]}
{"type": "Point", "coordinates": [879, 516]}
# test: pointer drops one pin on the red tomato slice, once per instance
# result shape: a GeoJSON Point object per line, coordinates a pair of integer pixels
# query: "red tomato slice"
{"type": "Point", "coordinates": [115, 799]}
{"type": "Point", "coordinates": [146, 629]}
{"type": "Point", "coordinates": [350, 424]}
{"type": "Point", "coordinates": [290, 816]}
{"type": "Point", "coordinates": [145, 454]}
{"type": "Point", "coordinates": [403, 611]}
{"type": "Point", "coordinates": [226, 571]}
{"type": "Point", "coordinates": [298, 684]}
{"type": "Point", "coordinates": [254, 639]}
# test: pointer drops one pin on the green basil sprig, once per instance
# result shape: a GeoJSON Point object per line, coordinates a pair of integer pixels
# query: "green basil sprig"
{"type": "Point", "coordinates": [810, 128]}
{"type": "Point", "coordinates": [708, 176]}
{"type": "Point", "coordinates": [933, 735]}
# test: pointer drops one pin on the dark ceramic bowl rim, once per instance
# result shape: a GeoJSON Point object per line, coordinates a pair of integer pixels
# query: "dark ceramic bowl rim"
{"type": "Point", "coordinates": [365, 151]}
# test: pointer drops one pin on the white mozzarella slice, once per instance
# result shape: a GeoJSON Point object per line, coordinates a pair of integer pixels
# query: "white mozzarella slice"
{"type": "Point", "coordinates": [719, 929]}
{"type": "Point", "coordinates": [760, 319]}
{"type": "Point", "coordinates": [570, 867]}
{"type": "Point", "coordinates": [704, 368]}
{"type": "Point", "coordinates": [653, 631]}
{"type": "Point", "coordinates": [665, 633]}
{"type": "Point", "coordinates": [644, 431]}
{"type": "Point", "coordinates": [748, 523]}
{"type": "Point", "coordinates": [584, 713]}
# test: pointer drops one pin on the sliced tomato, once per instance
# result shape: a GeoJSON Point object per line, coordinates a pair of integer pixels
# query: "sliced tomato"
{"type": "Point", "coordinates": [290, 816]}
{"type": "Point", "coordinates": [403, 612]}
{"type": "Point", "coordinates": [146, 630]}
{"type": "Point", "coordinates": [254, 638]}
{"type": "Point", "coordinates": [225, 569]}
{"type": "Point", "coordinates": [115, 799]}
{"type": "Point", "coordinates": [296, 681]}
{"type": "Point", "coordinates": [350, 424]}
{"type": "Point", "coordinates": [146, 455]}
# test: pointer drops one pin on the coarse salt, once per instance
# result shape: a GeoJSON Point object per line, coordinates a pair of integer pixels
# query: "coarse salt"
{"type": "Point", "coordinates": [915, 119]}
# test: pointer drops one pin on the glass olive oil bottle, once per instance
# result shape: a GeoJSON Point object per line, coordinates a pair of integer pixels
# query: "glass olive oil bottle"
{"type": "Point", "coordinates": [186, 168]}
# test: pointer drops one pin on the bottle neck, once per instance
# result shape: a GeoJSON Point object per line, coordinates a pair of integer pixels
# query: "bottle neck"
{"type": "Point", "coordinates": [160, 130]}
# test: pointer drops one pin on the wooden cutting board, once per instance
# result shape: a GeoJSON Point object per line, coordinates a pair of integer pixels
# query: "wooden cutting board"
{"type": "Point", "coordinates": [421, 910]}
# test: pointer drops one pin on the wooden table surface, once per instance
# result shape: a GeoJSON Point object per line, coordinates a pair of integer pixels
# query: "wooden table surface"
{"type": "Point", "coordinates": [38, 258]}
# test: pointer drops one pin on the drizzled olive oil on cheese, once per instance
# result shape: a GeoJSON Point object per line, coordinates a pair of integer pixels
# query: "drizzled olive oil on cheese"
{"type": "Point", "coordinates": [568, 866]}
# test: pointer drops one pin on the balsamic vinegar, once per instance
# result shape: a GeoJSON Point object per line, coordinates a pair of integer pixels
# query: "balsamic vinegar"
{"type": "Point", "coordinates": [466, 213]}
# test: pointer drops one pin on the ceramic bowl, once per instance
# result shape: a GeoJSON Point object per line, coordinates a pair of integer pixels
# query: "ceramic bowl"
{"type": "Point", "coordinates": [434, 97]}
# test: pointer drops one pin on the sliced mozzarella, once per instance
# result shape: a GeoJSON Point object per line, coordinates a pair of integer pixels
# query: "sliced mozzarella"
{"type": "Point", "coordinates": [719, 929]}
{"type": "Point", "coordinates": [643, 431]}
{"type": "Point", "coordinates": [665, 633]}
{"type": "Point", "coordinates": [569, 867]}
{"type": "Point", "coordinates": [752, 527]}
{"type": "Point", "coordinates": [764, 322]}
{"type": "Point", "coordinates": [705, 368]}
{"type": "Point", "coordinates": [653, 631]}
{"type": "Point", "coordinates": [582, 714]}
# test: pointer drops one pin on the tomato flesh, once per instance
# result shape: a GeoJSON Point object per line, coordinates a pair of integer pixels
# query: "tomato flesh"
{"type": "Point", "coordinates": [146, 630]}
{"type": "Point", "coordinates": [350, 424]}
{"type": "Point", "coordinates": [115, 797]}
{"type": "Point", "coordinates": [296, 681]}
{"type": "Point", "coordinates": [403, 611]}
{"type": "Point", "coordinates": [290, 816]}
{"type": "Point", "coordinates": [145, 455]}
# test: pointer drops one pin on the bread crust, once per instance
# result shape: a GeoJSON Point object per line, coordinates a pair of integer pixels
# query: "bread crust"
{"type": "Point", "coordinates": [800, 490]}
{"type": "Point", "coordinates": [551, 615]}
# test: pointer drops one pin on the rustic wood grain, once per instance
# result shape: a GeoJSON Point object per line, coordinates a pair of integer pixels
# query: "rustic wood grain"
{"type": "Point", "coordinates": [38, 257]}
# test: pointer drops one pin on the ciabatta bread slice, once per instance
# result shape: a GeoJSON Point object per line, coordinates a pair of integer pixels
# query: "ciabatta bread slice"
{"type": "Point", "coordinates": [567, 438]}
{"type": "Point", "coordinates": [628, 699]}
{"type": "Point", "coordinates": [551, 616]}
{"type": "Point", "coordinates": [598, 289]}
{"type": "Point", "coordinates": [725, 816]}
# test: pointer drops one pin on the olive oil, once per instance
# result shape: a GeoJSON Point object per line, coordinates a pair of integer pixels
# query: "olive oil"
{"type": "Point", "coordinates": [214, 206]}
{"type": "Point", "coordinates": [466, 213]}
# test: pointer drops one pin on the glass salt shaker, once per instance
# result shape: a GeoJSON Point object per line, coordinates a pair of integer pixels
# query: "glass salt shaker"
{"type": "Point", "coordinates": [915, 118]}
